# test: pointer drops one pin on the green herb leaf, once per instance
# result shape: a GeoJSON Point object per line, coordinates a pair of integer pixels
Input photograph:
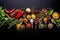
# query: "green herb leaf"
{"type": "Point", "coordinates": [50, 12]}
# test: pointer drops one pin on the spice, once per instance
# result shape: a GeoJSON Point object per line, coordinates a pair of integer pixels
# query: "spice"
{"type": "Point", "coordinates": [49, 17]}
{"type": "Point", "coordinates": [33, 16]}
{"type": "Point", "coordinates": [21, 20]}
{"type": "Point", "coordinates": [22, 27]}
{"type": "Point", "coordinates": [55, 15]}
{"type": "Point", "coordinates": [40, 15]}
{"type": "Point", "coordinates": [53, 21]}
{"type": "Point", "coordinates": [50, 25]}
{"type": "Point", "coordinates": [45, 19]}
{"type": "Point", "coordinates": [28, 17]}
{"type": "Point", "coordinates": [41, 26]}
{"type": "Point", "coordinates": [28, 25]}
{"type": "Point", "coordinates": [18, 26]}
{"type": "Point", "coordinates": [13, 13]}
{"type": "Point", "coordinates": [40, 20]}
{"type": "Point", "coordinates": [32, 10]}
{"type": "Point", "coordinates": [36, 22]}
{"type": "Point", "coordinates": [7, 11]}
{"type": "Point", "coordinates": [44, 11]}
{"type": "Point", "coordinates": [20, 13]}
{"type": "Point", "coordinates": [25, 20]}
{"type": "Point", "coordinates": [12, 10]}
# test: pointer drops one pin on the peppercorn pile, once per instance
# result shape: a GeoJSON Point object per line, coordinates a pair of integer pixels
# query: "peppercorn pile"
{"type": "Point", "coordinates": [29, 18]}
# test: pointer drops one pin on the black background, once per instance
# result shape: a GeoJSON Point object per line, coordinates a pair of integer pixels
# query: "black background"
{"type": "Point", "coordinates": [9, 4]}
{"type": "Point", "coordinates": [37, 4]}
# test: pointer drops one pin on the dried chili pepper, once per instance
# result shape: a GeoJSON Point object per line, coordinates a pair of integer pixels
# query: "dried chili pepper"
{"type": "Point", "coordinates": [12, 10]}
{"type": "Point", "coordinates": [12, 14]}
{"type": "Point", "coordinates": [20, 13]}
{"type": "Point", "coordinates": [7, 11]}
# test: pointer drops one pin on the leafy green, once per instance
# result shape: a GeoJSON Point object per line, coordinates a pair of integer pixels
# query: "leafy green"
{"type": "Point", "coordinates": [2, 23]}
{"type": "Point", "coordinates": [2, 13]}
{"type": "Point", "coordinates": [9, 22]}
{"type": "Point", "coordinates": [58, 22]}
{"type": "Point", "coordinates": [13, 23]}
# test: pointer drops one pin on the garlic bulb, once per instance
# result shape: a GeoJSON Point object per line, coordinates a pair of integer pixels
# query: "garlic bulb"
{"type": "Point", "coordinates": [31, 20]}
{"type": "Point", "coordinates": [28, 10]}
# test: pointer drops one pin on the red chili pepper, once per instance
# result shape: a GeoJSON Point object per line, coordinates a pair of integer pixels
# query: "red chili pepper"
{"type": "Point", "coordinates": [7, 11]}
{"type": "Point", "coordinates": [12, 10]}
{"type": "Point", "coordinates": [20, 13]}
{"type": "Point", "coordinates": [12, 14]}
